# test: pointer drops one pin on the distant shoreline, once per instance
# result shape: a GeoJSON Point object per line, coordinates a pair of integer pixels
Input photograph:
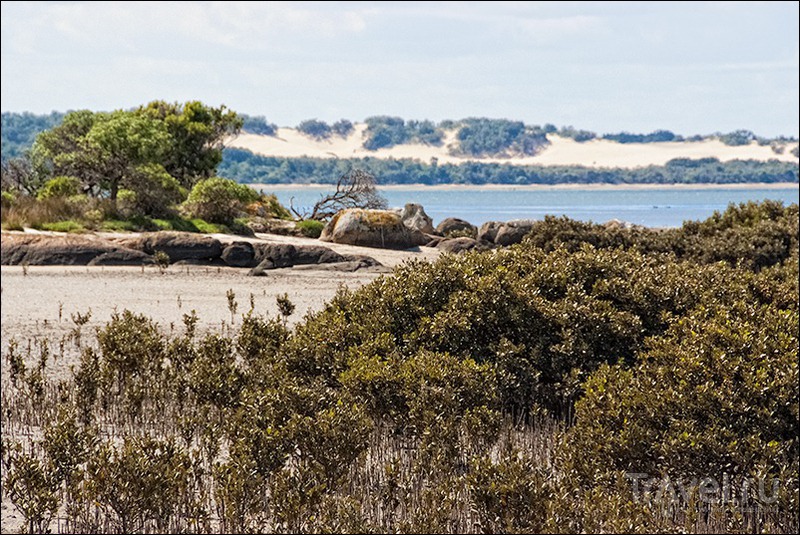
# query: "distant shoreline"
{"type": "Point", "coordinates": [542, 187]}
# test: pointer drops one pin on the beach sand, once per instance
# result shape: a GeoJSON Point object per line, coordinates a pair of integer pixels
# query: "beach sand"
{"type": "Point", "coordinates": [38, 301]}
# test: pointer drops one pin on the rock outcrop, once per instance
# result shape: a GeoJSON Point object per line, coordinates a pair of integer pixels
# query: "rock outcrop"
{"type": "Point", "coordinates": [45, 250]}
{"type": "Point", "coordinates": [452, 225]}
{"type": "Point", "coordinates": [178, 245]}
{"type": "Point", "coordinates": [457, 245]}
{"type": "Point", "coordinates": [239, 254]}
{"type": "Point", "coordinates": [507, 233]}
{"type": "Point", "coordinates": [372, 228]}
{"type": "Point", "coordinates": [415, 218]}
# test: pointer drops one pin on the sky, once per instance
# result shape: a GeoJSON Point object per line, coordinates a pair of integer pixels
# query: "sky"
{"type": "Point", "coordinates": [688, 67]}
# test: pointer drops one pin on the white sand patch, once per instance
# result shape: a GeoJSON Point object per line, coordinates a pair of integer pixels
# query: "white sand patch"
{"type": "Point", "coordinates": [290, 143]}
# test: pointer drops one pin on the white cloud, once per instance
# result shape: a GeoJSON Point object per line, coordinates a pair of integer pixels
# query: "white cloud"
{"type": "Point", "coordinates": [241, 25]}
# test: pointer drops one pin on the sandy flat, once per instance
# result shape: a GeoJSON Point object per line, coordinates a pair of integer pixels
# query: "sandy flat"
{"type": "Point", "coordinates": [290, 143]}
{"type": "Point", "coordinates": [32, 299]}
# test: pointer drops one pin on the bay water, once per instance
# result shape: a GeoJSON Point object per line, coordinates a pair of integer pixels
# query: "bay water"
{"type": "Point", "coordinates": [648, 206]}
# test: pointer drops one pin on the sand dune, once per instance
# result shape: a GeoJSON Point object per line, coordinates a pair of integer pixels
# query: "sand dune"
{"type": "Point", "coordinates": [290, 143]}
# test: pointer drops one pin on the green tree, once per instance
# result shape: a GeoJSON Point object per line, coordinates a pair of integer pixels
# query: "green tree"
{"type": "Point", "coordinates": [104, 150]}
{"type": "Point", "coordinates": [119, 144]}
{"type": "Point", "coordinates": [196, 137]}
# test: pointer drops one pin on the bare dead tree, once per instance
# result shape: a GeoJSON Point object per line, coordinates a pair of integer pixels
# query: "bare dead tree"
{"type": "Point", "coordinates": [354, 189]}
{"type": "Point", "coordinates": [21, 174]}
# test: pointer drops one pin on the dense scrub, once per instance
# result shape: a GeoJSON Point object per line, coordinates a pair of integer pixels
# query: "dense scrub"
{"type": "Point", "coordinates": [245, 166]}
{"type": "Point", "coordinates": [558, 385]}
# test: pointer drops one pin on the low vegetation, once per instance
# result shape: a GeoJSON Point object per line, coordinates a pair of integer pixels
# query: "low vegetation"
{"type": "Point", "coordinates": [586, 380]}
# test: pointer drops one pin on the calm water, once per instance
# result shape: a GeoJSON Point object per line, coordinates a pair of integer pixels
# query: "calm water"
{"type": "Point", "coordinates": [653, 207]}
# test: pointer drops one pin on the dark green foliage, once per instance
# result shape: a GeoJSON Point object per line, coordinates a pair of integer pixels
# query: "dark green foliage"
{"type": "Point", "coordinates": [498, 137]}
{"type": "Point", "coordinates": [196, 133]}
{"type": "Point", "coordinates": [311, 228]}
{"type": "Point", "coordinates": [33, 488]}
{"type": "Point", "coordinates": [145, 479]}
{"type": "Point", "coordinates": [755, 235]}
{"type": "Point", "coordinates": [244, 166]}
{"type": "Point", "coordinates": [213, 375]}
{"type": "Point", "coordinates": [510, 496]}
{"type": "Point", "coordinates": [131, 345]}
{"type": "Point", "coordinates": [658, 136]}
{"type": "Point", "coordinates": [383, 131]}
{"type": "Point", "coordinates": [342, 128]}
{"type": "Point", "coordinates": [258, 125]}
{"type": "Point", "coordinates": [219, 200]}
{"type": "Point", "coordinates": [315, 128]}
{"type": "Point", "coordinates": [536, 316]}
{"type": "Point", "coordinates": [150, 191]}
{"type": "Point", "coordinates": [154, 152]}
{"type": "Point", "coordinates": [424, 132]}
{"type": "Point", "coordinates": [738, 137]}
{"type": "Point", "coordinates": [718, 392]}
{"type": "Point", "coordinates": [578, 135]}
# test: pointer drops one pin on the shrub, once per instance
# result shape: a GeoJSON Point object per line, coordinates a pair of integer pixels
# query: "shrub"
{"type": "Point", "coordinates": [151, 191]}
{"type": "Point", "coordinates": [268, 206]}
{"type": "Point", "coordinates": [258, 125]}
{"type": "Point", "coordinates": [60, 186]}
{"type": "Point", "coordinates": [314, 128]}
{"type": "Point", "coordinates": [7, 199]}
{"type": "Point", "coordinates": [311, 228]}
{"type": "Point", "coordinates": [219, 200]}
{"type": "Point", "coordinates": [498, 137]}
{"type": "Point", "coordinates": [33, 488]}
{"type": "Point", "coordinates": [145, 479]}
{"type": "Point", "coordinates": [715, 397]}
{"type": "Point", "coordinates": [342, 128]}
{"type": "Point", "coordinates": [706, 373]}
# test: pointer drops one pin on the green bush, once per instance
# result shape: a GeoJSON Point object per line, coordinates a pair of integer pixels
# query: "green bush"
{"type": "Point", "coordinates": [268, 206]}
{"type": "Point", "coordinates": [700, 398]}
{"type": "Point", "coordinates": [311, 228]}
{"type": "Point", "coordinates": [218, 200]}
{"type": "Point", "coordinates": [754, 235]}
{"type": "Point", "coordinates": [151, 191]}
{"type": "Point", "coordinates": [60, 186]}
{"type": "Point", "coordinates": [315, 128]}
{"type": "Point", "coordinates": [7, 199]}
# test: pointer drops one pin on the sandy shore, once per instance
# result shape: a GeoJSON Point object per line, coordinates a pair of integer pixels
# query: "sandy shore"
{"type": "Point", "coordinates": [37, 302]}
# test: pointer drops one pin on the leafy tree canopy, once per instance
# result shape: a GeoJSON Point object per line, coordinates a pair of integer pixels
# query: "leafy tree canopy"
{"type": "Point", "coordinates": [109, 151]}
